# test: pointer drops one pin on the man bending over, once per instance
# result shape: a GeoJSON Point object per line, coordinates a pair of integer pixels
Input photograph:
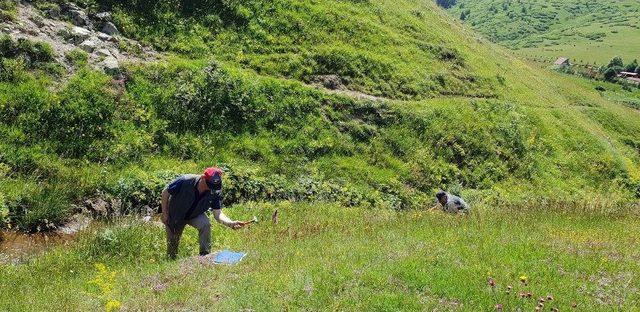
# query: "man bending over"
{"type": "Point", "coordinates": [185, 201]}
{"type": "Point", "coordinates": [451, 203]}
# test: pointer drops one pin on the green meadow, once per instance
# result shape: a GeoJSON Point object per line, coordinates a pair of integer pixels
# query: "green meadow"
{"type": "Point", "coordinates": [549, 162]}
{"type": "Point", "coordinates": [326, 257]}
{"type": "Point", "coordinates": [587, 32]}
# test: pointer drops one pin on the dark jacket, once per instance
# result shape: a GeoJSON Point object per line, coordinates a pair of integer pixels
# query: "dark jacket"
{"type": "Point", "coordinates": [183, 194]}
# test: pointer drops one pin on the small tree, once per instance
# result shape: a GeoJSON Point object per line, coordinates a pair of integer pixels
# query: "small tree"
{"type": "Point", "coordinates": [610, 73]}
{"type": "Point", "coordinates": [632, 66]}
{"type": "Point", "coordinates": [616, 62]}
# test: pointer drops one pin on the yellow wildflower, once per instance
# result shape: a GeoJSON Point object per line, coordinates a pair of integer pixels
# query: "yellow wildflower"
{"type": "Point", "coordinates": [112, 305]}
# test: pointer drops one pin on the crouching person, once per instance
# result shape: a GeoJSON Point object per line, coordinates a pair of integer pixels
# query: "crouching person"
{"type": "Point", "coordinates": [186, 200]}
{"type": "Point", "coordinates": [451, 203]}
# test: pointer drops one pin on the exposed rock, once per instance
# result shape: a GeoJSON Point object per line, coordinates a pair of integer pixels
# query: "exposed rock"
{"type": "Point", "coordinates": [331, 82]}
{"type": "Point", "coordinates": [52, 12]}
{"type": "Point", "coordinates": [104, 16]}
{"type": "Point", "coordinates": [90, 44]}
{"type": "Point", "coordinates": [32, 31]}
{"type": "Point", "coordinates": [104, 52]}
{"type": "Point", "coordinates": [68, 6]}
{"type": "Point", "coordinates": [109, 28]}
{"type": "Point", "coordinates": [110, 65]}
{"type": "Point", "coordinates": [79, 17]}
{"type": "Point", "coordinates": [79, 34]}
{"type": "Point", "coordinates": [38, 20]}
{"type": "Point", "coordinates": [77, 223]}
{"type": "Point", "coordinates": [105, 37]}
{"type": "Point", "coordinates": [98, 207]}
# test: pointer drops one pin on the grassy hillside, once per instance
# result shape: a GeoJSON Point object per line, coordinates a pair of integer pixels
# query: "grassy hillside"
{"type": "Point", "coordinates": [421, 104]}
{"type": "Point", "coordinates": [585, 31]}
{"type": "Point", "coordinates": [460, 113]}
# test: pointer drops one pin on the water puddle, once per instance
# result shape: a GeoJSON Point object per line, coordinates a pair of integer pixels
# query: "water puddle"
{"type": "Point", "coordinates": [17, 247]}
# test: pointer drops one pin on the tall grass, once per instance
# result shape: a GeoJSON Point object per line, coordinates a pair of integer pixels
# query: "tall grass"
{"type": "Point", "coordinates": [325, 257]}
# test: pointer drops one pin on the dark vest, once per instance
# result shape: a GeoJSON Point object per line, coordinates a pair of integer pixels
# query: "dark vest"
{"type": "Point", "coordinates": [180, 204]}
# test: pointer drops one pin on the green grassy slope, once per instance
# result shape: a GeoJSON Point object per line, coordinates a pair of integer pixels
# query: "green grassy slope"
{"type": "Point", "coordinates": [324, 257]}
{"type": "Point", "coordinates": [460, 114]}
{"type": "Point", "coordinates": [585, 31]}
{"type": "Point", "coordinates": [550, 165]}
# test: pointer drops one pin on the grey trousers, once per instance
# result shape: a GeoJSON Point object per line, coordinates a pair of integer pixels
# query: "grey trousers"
{"type": "Point", "coordinates": [201, 223]}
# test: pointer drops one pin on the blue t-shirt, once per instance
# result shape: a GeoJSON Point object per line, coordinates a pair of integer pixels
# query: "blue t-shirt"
{"type": "Point", "coordinates": [174, 188]}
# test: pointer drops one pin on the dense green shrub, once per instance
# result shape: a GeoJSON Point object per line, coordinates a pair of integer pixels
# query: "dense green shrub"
{"type": "Point", "coordinates": [22, 104]}
{"type": "Point", "coordinates": [33, 53]}
{"type": "Point", "coordinates": [82, 116]}
{"type": "Point", "coordinates": [77, 57]}
{"type": "Point", "coordinates": [8, 10]}
{"type": "Point", "coordinates": [42, 210]}
{"type": "Point", "coordinates": [12, 70]}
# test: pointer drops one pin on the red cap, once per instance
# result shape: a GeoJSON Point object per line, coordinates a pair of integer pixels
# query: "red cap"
{"type": "Point", "coordinates": [211, 171]}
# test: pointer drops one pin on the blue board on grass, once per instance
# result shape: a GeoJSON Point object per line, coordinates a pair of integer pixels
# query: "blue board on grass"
{"type": "Point", "coordinates": [229, 257]}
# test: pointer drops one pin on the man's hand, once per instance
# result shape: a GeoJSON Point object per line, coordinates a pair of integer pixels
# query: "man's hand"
{"type": "Point", "coordinates": [237, 225]}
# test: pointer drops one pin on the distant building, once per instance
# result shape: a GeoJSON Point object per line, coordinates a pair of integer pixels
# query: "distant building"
{"type": "Point", "coordinates": [628, 75]}
{"type": "Point", "coordinates": [634, 80]}
{"type": "Point", "coordinates": [563, 61]}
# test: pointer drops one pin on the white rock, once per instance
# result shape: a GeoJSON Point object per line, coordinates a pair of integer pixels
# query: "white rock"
{"type": "Point", "coordinates": [104, 16]}
{"type": "Point", "coordinates": [104, 52]}
{"type": "Point", "coordinates": [90, 44]}
{"type": "Point", "coordinates": [104, 37]}
{"type": "Point", "coordinates": [80, 33]}
{"type": "Point", "coordinates": [109, 28]}
{"type": "Point", "coordinates": [110, 65]}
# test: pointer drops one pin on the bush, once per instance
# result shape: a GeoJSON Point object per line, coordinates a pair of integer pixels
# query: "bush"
{"type": "Point", "coordinates": [611, 73]}
{"type": "Point", "coordinates": [42, 210]}
{"type": "Point", "coordinates": [8, 10]}
{"type": "Point", "coordinates": [34, 54]}
{"type": "Point", "coordinates": [12, 70]}
{"type": "Point", "coordinates": [77, 57]}
{"type": "Point", "coordinates": [82, 116]}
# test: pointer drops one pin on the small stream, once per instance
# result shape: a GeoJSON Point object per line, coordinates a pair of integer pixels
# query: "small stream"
{"type": "Point", "coordinates": [17, 247]}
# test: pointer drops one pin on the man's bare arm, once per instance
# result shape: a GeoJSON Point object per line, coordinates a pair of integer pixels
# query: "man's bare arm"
{"type": "Point", "coordinates": [223, 219]}
{"type": "Point", "coordinates": [164, 204]}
